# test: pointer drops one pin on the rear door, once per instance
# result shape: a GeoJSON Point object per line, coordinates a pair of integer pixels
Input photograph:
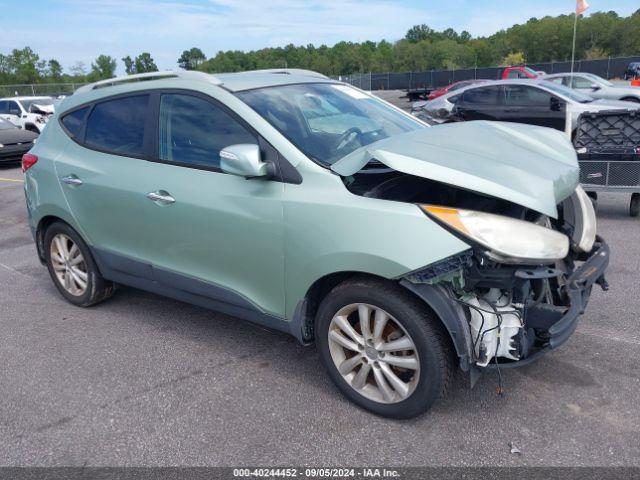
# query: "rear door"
{"type": "Point", "coordinates": [480, 103]}
{"type": "Point", "coordinates": [534, 106]}
{"type": "Point", "coordinates": [102, 171]}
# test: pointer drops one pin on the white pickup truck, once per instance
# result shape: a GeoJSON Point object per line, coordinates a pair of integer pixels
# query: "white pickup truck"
{"type": "Point", "coordinates": [29, 113]}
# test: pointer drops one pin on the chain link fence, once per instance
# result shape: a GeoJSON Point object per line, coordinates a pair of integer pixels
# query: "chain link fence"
{"type": "Point", "coordinates": [35, 89]}
{"type": "Point", "coordinates": [606, 68]}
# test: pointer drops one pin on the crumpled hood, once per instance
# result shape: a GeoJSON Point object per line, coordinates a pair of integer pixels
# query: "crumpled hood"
{"type": "Point", "coordinates": [534, 167]}
{"type": "Point", "coordinates": [47, 109]}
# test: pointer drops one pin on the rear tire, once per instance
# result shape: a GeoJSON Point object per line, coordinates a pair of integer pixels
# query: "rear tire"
{"type": "Point", "coordinates": [72, 268]}
{"type": "Point", "coordinates": [411, 336]}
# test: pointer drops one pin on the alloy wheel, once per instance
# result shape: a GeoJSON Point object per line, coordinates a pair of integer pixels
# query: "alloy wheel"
{"type": "Point", "coordinates": [69, 264]}
{"type": "Point", "coordinates": [374, 353]}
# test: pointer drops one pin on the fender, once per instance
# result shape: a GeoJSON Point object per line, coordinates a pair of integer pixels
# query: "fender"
{"type": "Point", "coordinates": [450, 314]}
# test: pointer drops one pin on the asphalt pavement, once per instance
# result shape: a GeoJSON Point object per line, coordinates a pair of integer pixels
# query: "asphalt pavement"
{"type": "Point", "coordinates": [144, 380]}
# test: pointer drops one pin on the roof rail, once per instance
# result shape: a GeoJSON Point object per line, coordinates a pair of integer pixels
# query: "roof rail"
{"type": "Point", "coordinates": [140, 77]}
{"type": "Point", "coordinates": [288, 71]}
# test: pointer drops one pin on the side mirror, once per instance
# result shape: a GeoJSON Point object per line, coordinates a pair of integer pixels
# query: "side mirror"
{"type": "Point", "coordinates": [595, 87]}
{"type": "Point", "coordinates": [555, 104]}
{"type": "Point", "coordinates": [243, 160]}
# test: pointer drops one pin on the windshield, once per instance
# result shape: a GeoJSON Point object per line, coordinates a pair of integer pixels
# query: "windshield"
{"type": "Point", "coordinates": [27, 102]}
{"type": "Point", "coordinates": [567, 92]}
{"type": "Point", "coordinates": [531, 71]}
{"type": "Point", "coordinates": [327, 121]}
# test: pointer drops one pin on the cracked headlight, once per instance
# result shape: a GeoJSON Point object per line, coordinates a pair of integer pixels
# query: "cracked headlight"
{"type": "Point", "coordinates": [506, 239]}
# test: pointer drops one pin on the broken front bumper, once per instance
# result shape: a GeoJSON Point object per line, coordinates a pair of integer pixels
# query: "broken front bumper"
{"type": "Point", "coordinates": [561, 322]}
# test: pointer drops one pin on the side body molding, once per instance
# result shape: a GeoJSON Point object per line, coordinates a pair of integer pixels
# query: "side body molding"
{"type": "Point", "coordinates": [134, 273]}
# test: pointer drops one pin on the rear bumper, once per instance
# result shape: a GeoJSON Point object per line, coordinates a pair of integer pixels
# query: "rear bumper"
{"type": "Point", "coordinates": [562, 322]}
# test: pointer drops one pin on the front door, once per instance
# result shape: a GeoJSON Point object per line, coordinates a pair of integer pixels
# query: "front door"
{"type": "Point", "coordinates": [533, 106]}
{"type": "Point", "coordinates": [206, 232]}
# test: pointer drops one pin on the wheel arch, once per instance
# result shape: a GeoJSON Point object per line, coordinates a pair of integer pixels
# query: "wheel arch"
{"type": "Point", "coordinates": [305, 312]}
{"type": "Point", "coordinates": [450, 315]}
{"type": "Point", "coordinates": [43, 224]}
{"type": "Point", "coordinates": [31, 127]}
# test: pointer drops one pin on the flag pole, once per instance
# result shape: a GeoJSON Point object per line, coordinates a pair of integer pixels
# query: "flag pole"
{"type": "Point", "coordinates": [573, 50]}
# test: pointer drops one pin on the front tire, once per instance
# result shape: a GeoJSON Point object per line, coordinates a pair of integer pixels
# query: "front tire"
{"type": "Point", "coordinates": [383, 348]}
{"type": "Point", "coordinates": [72, 268]}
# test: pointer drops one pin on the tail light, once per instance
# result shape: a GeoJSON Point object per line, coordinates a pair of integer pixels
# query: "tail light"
{"type": "Point", "coordinates": [28, 161]}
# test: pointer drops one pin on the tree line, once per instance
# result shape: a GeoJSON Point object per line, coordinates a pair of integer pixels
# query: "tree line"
{"type": "Point", "coordinates": [538, 40]}
{"type": "Point", "coordinates": [24, 66]}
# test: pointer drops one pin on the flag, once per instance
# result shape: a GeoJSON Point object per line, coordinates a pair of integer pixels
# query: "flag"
{"type": "Point", "coordinates": [581, 6]}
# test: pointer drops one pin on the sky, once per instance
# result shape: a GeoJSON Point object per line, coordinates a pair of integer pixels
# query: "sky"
{"type": "Point", "coordinates": [80, 30]}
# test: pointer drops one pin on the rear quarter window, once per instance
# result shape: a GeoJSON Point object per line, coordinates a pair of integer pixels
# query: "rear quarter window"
{"type": "Point", "coordinates": [117, 126]}
{"type": "Point", "coordinates": [74, 121]}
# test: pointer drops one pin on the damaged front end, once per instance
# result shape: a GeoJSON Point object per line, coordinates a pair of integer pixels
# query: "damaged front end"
{"type": "Point", "coordinates": [533, 255]}
{"type": "Point", "coordinates": [513, 310]}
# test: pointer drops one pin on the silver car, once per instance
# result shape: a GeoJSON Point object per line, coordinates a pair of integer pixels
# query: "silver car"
{"type": "Point", "coordinates": [595, 86]}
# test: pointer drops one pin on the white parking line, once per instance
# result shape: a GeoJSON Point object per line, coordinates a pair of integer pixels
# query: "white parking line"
{"type": "Point", "coordinates": [630, 341]}
{"type": "Point", "coordinates": [13, 270]}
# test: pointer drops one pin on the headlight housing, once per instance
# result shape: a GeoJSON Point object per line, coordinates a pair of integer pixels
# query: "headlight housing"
{"type": "Point", "coordinates": [506, 239]}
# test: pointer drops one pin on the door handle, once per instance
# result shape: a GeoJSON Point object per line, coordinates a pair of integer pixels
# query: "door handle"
{"type": "Point", "coordinates": [71, 180]}
{"type": "Point", "coordinates": [161, 197]}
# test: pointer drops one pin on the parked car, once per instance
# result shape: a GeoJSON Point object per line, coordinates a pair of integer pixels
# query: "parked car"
{"type": "Point", "coordinates": [29, 113]}
{"type": "Point", "coordinates": [595, 86]}
{"type": "Point", "coordinates": [535, 102]}
{"type": "Point", "coordinates": [632, 71]}
{"type": "Point", "coordinates": [453, 87]}
{"type": "Point", "coordinates": [402, 251]}
{"type": "Point", "coordinates": [605, 133]}
{"type": "Point", "coordinates": [14, 142]}
{"type": "Point", "coordinates": [518, 72]}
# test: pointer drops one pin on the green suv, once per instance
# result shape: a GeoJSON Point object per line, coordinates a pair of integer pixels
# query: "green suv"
{"type": "Point", "coordinates": [291, 200]}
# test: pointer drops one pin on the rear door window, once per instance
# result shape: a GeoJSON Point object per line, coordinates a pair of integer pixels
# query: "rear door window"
{"type": "Point", "coordinates": [118, 125]}
{"type": "Point", "coordinates": [481, 96]}
{"type": "Point", "coordinates": [581, 82]}
{"type": "Point", "coordinates": [558, 80]}
{"type": "Point", "coordinates": [194, 130]}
